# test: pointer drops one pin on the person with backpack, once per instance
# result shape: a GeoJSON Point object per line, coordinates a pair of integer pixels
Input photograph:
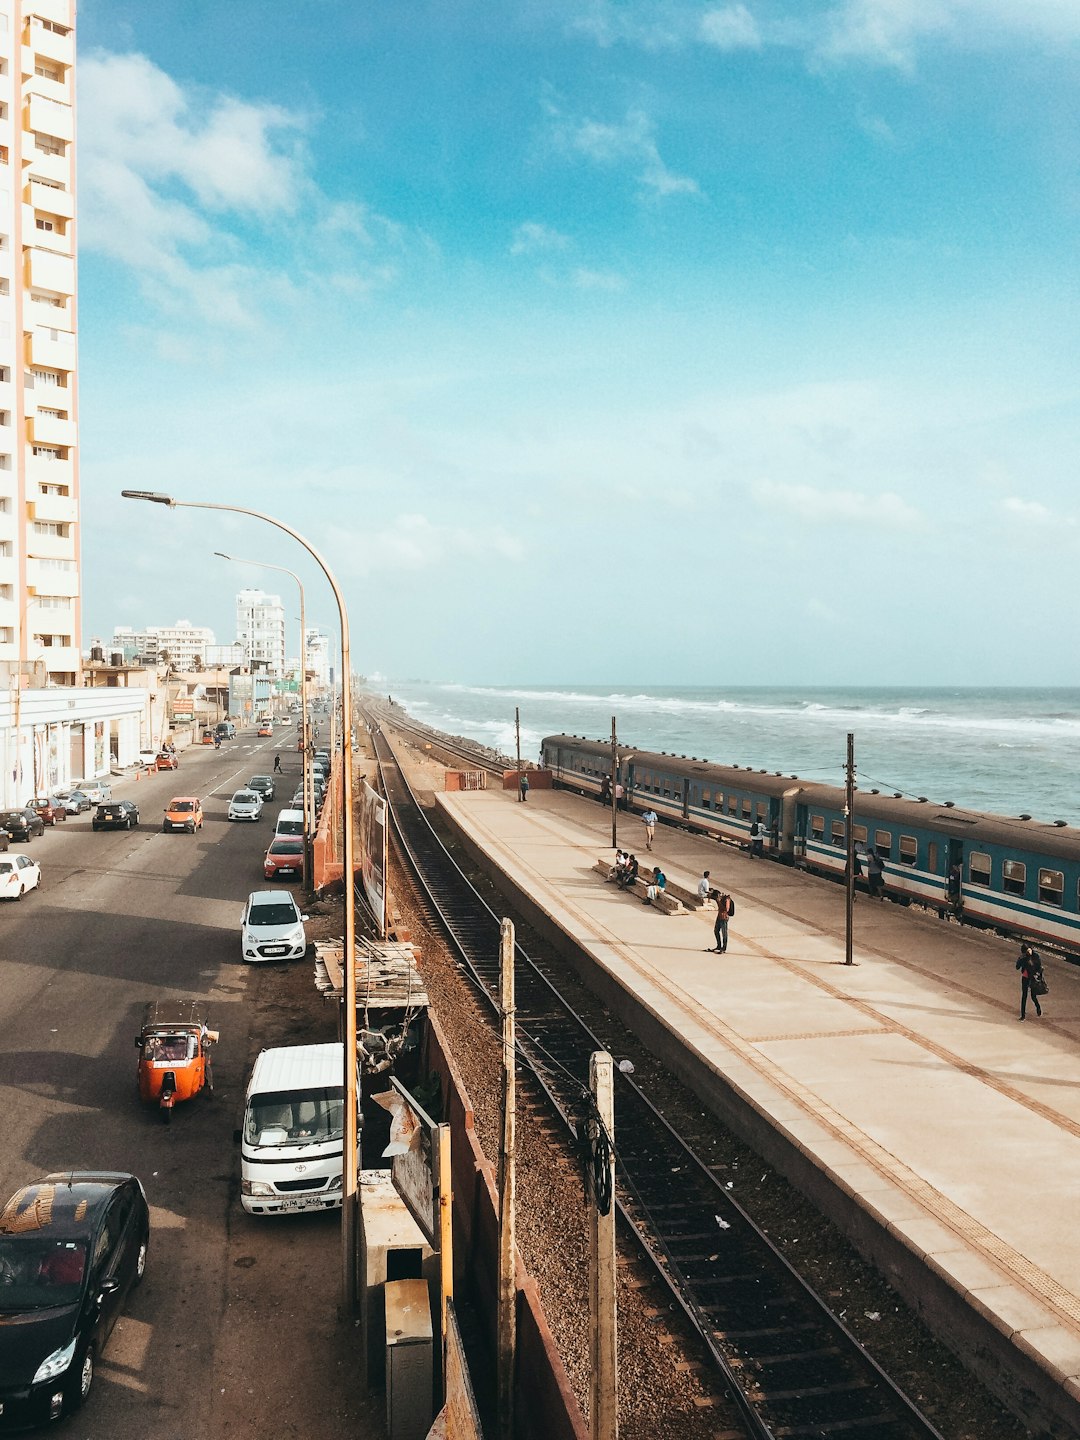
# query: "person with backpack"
{"type": "Point", "coordinates": [725, 910]}
{"type": "Point", "coordinates": [1032, 983]}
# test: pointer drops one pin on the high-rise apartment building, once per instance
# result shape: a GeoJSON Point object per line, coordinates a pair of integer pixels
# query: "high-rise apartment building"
{"type": "Point", "coordinates": [40, 619]}
{"type": "Point", "coordinates": [184, 645]}
{"type": "Point", "coordinates": [260, 628]}
{"type": "Point", "coordinates": [317, 645]}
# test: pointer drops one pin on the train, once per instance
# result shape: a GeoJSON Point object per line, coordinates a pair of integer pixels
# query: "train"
{"type": "Point", "coordinates": [1017, 876]}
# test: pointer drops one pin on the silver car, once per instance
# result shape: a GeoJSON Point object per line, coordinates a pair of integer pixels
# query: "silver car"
{"type": "Point", "coordinates": [246, 805]}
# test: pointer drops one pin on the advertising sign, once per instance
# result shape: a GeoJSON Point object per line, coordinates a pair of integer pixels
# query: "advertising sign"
{"type": "Point", "coordinates": [412, 1152]}
{"type": "Point", "coordinates": [373, 852]}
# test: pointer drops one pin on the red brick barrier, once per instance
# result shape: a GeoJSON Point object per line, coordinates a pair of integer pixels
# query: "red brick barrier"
{"type": "Point", "coordinates": [538, 779]}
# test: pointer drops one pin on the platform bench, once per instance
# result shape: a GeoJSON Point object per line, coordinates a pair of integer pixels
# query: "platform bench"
{"type": "Point", "coordinates": [665, 903]}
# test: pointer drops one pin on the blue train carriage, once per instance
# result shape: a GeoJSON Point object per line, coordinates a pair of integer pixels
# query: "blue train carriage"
{"type": "Point", "coordinates": [720, 800]}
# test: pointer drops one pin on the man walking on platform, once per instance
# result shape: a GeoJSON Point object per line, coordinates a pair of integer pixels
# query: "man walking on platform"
{"type": "Point", "coordinates": [725, 909]}
{"type": "Point", "coordinates": [649, 821]}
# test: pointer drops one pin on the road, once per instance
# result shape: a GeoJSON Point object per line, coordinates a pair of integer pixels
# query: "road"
{"type": "Point", "coordinates": [235, 1330]}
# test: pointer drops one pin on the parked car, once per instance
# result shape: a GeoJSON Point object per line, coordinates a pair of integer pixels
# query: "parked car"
{"type": "Point", "coordinates": [183, 812]}
{"type": "Point", "coordinates": [245, 805]}
{"type": "Point", "coordinates": [289, 822]}
{"type": "Point", "coordinates": [73, 801]}
{"type": "Point", "coordinates": [96, 791]}
{"type": "Point", "coordinates": [64, 1279]}
{"type": "Point", "coordinates": [18, 873]}
{"type": "Point", "coordinates": [50, 810]}
{"type": "Point", "coordinates": [116, 815]}
{"type": "Point", "coordinates": [22, 825]}
{"type": "Point", "coordinates": [166, 760]}
{"type": "Point", "coordinates": [272, 927]}
{"type": "Point", "coordinates": [264, 784]}
{"type": "Point", "coordinates": [284, 858]}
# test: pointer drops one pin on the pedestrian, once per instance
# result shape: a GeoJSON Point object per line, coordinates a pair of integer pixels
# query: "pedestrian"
{"type": "Point", "coordinates": [619, 866]}
{"type": "Point", "coordinates": [629, 874]}
{"type": "Point", "coordinates": [704, 889]}
{"type": "Point", "coordinates": [875, 870]}
{"type": "Point", "coordinates": [757, 838]}
{"type": "Point", "coordinates": [725, 909]}
{"type": "Point", "coordinates": [605, 790]}
{"type": "Point", "coordinates": [659, 884]}
{"type": "Point", "coordinates": [649, 821]}
{"type": "Point", "coordinates": [523, 784]}
{"type": "Point", "coordinates": [1032, 983]}
{"type": "Point", "coordinates": [277, 764]}
{"type": "Point", "coordinates": [620, 795]}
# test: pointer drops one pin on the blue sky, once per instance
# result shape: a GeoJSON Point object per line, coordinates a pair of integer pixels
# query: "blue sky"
{"type": "Point", "coordinates": [669, 342]}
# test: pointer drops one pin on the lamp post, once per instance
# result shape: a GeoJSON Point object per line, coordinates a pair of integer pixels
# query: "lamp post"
{"type": "Point", "coordinates": [309, 796]}
{"type": "Point", "coordinates": [350, 1154]}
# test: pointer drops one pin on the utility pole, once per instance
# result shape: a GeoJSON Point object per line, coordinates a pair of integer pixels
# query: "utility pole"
{"type": "Point", "coordinates": [614, 782]}
{"type": "Point", "coordinates": [517, 732]}
{"type": "Point", "coordinates": [507, 1318]}
{"type": "Point", "coordinates": [603, 1324]}
{"type": "Point", "coordinates": [849, 822]}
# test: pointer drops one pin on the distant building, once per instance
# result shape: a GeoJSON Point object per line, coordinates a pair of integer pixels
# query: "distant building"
{"type": "Point", "coordinates": [260, 628]}
{"type": "Point", "coordinates": [318, 658]}
{"type": "Point", "coordinates": [183, 644]}
{"type": "Point", "coordinates": [40, 614]}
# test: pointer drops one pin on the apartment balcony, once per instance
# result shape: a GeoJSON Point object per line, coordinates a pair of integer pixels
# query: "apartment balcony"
{"type": "Point", "coordinates": [55, 658]}
{"type": "Point", "coordinates": [48, 430]}
{"type": "Point", "coordinates": [62, 508]}
{"type": "Point", "coordinates": [60, 12]}
{"type": "Point", "coordinates": [50, 199]}
{"type": "Point", "coordinates": [48, 271]}
{"type": "Point", "coordinates": [50, 117]}
{"type": "Point", "coordinates": [51, 349]}
{"type": "Point", "coordinates": [44, 166]}
{"type": "Point", "coordinates": [40, 315]}
{"type": "Point", "coordinates": [56, 241]}
{"type": "Point", "coordinates": [50, 547]}
{"type": "Point", "coordinates": [46, 470]}
{"type": "Point", "coordinates": [47, 45]}
{"type": "Point", "coordinates": [7, 396]}
{"type": "Point", "coordinates": [40, 580]}
{"type": "Point", "coordinates": [58, 91]}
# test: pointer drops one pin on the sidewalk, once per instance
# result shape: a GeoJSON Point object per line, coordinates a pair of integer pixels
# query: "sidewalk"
{"type": "Point", "coordinates": [902, 1092]}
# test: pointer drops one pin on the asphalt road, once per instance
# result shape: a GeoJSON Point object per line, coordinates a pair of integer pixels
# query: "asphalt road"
{"type": "Point", "coordinates": [235, 1330]}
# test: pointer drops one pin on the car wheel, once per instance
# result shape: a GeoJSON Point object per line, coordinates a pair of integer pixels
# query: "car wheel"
{"type": "Point", "coordinates": [140, 1259]}
{"type": "Point", "coordinates": [190, 829]}
{"type": "Point", "coordinates": [82, 1381]}
{"type": "Point", "coordinates": [165, 828]}
{"type": "Point", "coordinates": [20, 892]}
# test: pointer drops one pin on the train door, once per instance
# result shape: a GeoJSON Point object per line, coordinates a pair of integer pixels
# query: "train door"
{"type": "Point", "coordinates": [954, 873]}
{"type": "Point", "coordinates": [799, 833]}
{"type": "Point", "coordinates": [627, 777]}
{"type": "Point", "coordinates": [788, 810]}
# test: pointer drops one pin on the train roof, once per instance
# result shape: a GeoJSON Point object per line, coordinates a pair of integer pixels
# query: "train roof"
{"type": "Point", "coordinates": [1017, 832]}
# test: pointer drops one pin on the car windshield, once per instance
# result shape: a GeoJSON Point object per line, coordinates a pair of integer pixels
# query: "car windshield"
{"type": "Point", "coordinates": [245, 797]}
{"type": "Point", "coordinates": [36, 1274]}
{"type": "Point", "coordinates": [286, 847]}
{"type": "Point", "coordinates": [295, 1117]}
{"type": "Point", "coordinates": [272, 915]}
{"type": "Point", "coordinates": [257, 780]}
{"type": "Point", "coordinates": [180, 805]}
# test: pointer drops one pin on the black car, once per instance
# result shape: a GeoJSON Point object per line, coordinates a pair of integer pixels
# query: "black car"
{"type": "Point", "coordinates": [264, 784]}
{"type": "Point", "coordinates": [116, 815]}
{"type": "Point", "coordinates": [71, 1247]}
{"type": "Point", "coordinates": [22, 825]}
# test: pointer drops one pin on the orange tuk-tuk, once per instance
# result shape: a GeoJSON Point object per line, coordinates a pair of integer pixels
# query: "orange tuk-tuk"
{"type": "Point", "coordinates": [174, 1053]}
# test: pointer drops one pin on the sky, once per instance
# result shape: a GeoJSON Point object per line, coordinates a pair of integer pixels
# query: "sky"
{"type": "Point", "coordinates": [652, 341]}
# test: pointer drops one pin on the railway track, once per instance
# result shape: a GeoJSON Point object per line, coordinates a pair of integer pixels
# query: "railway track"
{"type": "Point", "coordinates": [472, 754]}
{"type": "Point", "coordinates": [791, 1365]}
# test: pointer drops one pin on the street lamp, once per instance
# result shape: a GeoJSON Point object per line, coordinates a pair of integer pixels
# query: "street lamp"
{"type": "Point", "coordinates": [309, 796]}
{"type": "Point", "coordinates": [350, 1155]}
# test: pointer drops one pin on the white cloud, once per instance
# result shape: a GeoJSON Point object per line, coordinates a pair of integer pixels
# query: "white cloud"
{"type": "Point", "coordinates": [818, 506]}
{"type": "Point", "coordinates": [533, 238]}
{"type": "Point", "coordinates": [630, 143]}
{"type": "Point", "coordinates": [731, 27]}
{"type": "Point", "coordinates": [413, 542]}
{"type": "Point", "coordinates": [1027, 510]}
{"type": "Point", "coordinates": [597, 280]}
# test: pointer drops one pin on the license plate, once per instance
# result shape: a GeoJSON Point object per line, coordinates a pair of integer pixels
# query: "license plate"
{"type": "Point", "coordinates": [274, 950]}
{"type": "Point", "coordinates": [298, 1202]}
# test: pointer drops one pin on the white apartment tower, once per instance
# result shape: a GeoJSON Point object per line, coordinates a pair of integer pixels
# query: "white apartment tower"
{"type": "Point", "coordinates": [260, 628]}
{"type": "Point", "coordinates": [40, 618]}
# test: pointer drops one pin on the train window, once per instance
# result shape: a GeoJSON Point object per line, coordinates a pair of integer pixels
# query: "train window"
{"type": "Point", "coordinates": [747, 809]}
{"type": "Point", "coordinates": [762, 811]}
{"type": "Point", "coordinates": [1051, 887]}
{"type": "Point", "coordinates": [883, 843]}
{"type": "Point", "coordinates": [839, 836]}
{"type": "Point", "coordinates": [1013, 877]}
{"type": "Point", "coordinates": [979, 869]}
{"type": "Point", "coordinates": [931, 857]}
{"type": "Point", "coordinates": [860, 834]}
{"type": "Point", "coordinates": [817, 827]}
{"type": "Point", "coordinates": [909, 850]}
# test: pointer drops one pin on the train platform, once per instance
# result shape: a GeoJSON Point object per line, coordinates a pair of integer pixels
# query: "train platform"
{"type": "Point", "coordinates": [902, 1093]}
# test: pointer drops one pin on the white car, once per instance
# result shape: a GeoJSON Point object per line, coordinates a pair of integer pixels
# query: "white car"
{"type": "Point", "coordinates": [272, 927]}
{"type": "Point", "coordinates": [245, 805]}
{"type": "Point", "coordinates": [96, 791]}
{"type": "Point", "coordinates": [18, 873]}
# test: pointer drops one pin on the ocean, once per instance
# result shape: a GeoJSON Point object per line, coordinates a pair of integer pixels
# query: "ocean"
{"type": "Point", "coordinates": [1006, 751]}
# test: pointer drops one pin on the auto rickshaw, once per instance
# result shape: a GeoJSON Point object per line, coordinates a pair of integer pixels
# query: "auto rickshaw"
{"type": "Point", "coordinates": [174, 1053]}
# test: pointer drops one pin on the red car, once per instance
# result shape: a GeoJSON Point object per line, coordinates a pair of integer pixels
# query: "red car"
{"type": "Point", "coordinates": [167, 760]}
{"type": "Point", "coordinates": [285, 858]}
{"type": "Point", "coordinates": [266, 730]}
{"type": "Point", "coordinates": [50, 810]}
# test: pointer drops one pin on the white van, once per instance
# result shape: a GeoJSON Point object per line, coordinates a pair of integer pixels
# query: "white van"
{"type": "Point", "coordinates": [289, 822]}
{"type": "Point", "coordinates": [294, 1126]}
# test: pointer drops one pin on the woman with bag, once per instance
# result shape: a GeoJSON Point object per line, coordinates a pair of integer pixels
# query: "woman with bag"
{"type": "Point", "coordinates": [1031, 978]}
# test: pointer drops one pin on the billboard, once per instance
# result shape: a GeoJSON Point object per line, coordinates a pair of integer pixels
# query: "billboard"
{"type": "Point", "coordinates": [373, 852]}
